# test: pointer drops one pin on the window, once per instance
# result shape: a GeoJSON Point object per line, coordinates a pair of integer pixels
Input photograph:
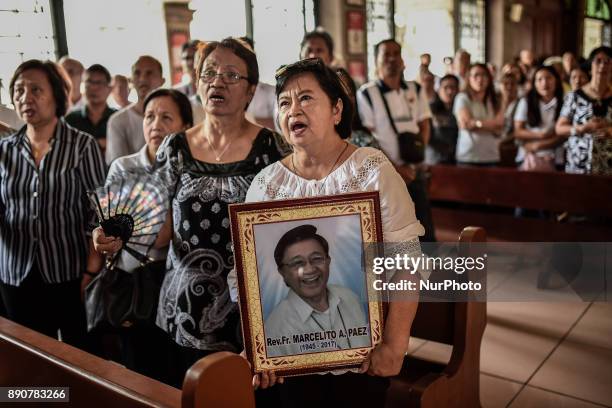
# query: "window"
{"type": "Point", "coordinates": [426, 29]}
{"type": "Point", "coordinates": [597, 26]}
{"type": "Point", "coordinates": [378, 16]}
{"type": "Point", "coordinates": [432, 27]}
{"type": "Point", "coordinates": [115, 32]}
{"type": "Point", "coordinates": [25, 33]}
{"type": "Point", "coordinates": [472, 28]}
{"type": "Point", "coordinates": [278, 28]}
{"type": "Point", "coordinates": [214, 20]}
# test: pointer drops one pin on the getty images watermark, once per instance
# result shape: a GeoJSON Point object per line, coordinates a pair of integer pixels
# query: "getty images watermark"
{"type": "Point", "coordinates": [424, 263]}
{"type": "Point", "coordinates": [494, 271]}
{"type": "Point", "coordinates": [438, 276]}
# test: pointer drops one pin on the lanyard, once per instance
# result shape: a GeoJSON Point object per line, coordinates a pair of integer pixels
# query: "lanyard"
{"type": "Point", "coordinates": [348, 339]}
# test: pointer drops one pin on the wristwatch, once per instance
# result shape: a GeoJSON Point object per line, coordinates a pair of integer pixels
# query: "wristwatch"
{"type": "Point", "coordinates": [478, 124]}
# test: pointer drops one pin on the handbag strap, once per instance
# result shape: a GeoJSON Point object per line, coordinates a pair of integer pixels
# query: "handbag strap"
{"type": "Point", "coordinates": [143, 259]}
{"type": "Point", "coordinates": [384, 100]}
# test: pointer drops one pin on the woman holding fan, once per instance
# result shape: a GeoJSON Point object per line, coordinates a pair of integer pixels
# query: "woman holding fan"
{"type": "Point", "coordinates": [210, 166]}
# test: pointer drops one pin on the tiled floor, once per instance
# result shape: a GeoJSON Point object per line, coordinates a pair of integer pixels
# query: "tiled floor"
{"type": "Point", "coordinates": [541, 355]}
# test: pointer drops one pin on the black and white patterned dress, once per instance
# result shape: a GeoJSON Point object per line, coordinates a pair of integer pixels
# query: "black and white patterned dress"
{"type": "Point", "coordinates": [587, 154]}
{"type": "Point", "coordinates": [194, 304]}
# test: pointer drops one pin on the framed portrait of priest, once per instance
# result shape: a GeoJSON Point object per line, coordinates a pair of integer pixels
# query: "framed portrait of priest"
{"type": "Point", "coordinates": [306, 299]}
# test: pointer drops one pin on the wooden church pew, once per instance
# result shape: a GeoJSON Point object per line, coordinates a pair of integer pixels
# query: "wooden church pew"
{"type": "Point", "coordinates": [224, 379]}
{"type": "Point", "coordinates": [467, 195]}
{"type": "Point", "coordinates": [427, 384]}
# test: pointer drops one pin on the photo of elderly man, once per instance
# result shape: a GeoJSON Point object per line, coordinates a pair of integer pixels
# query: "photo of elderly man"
{"type": "Point", "coordinates": [314, 316]}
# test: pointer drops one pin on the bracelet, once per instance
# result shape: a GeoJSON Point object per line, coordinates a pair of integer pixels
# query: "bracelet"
{"type": "Point", "coordinates": [92, 274]}
{"type": "Point", "coordinates": [573, 131]}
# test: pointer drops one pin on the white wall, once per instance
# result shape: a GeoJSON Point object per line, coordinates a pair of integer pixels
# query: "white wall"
{"type": "Point", "coordinates": [115, 32]}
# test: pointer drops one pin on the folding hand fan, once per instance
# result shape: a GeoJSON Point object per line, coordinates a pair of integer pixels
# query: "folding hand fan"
{"type": "Point", "coordinates": [132, 206]}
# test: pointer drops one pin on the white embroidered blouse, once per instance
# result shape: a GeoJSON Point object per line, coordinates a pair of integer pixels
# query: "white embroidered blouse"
{"type": "Point", "coordinates": [367, 169]}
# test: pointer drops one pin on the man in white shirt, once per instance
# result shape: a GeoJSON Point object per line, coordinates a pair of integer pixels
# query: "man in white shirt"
{"type": "Point", "coordinates": [74, 69]}
{"type": "Point", "coordinates": [314, 316]}
{"type": "Point", "coordinates": [120, 92]}
{"type": "Point", "coordinates": [188, 85]}
{"type": "Point", "coordinates": [124, 134]}
{"type": "Point", "coordinates": [262, 108]}
{"type": "Point", "coordinates": [392, 109]}
{"type": "Point", "coordinates": [461, 66]}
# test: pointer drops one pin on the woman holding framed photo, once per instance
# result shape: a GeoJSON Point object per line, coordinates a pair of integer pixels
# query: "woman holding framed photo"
{"type": "Point", "coordinates": [315, 116]}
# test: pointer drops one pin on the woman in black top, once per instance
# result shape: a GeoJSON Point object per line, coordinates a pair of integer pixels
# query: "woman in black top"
{"type": "Point", "coordinates": [586, 119]}
{"type": "Point", "coordinates": [444, 130]}
{"type": "Point", "coordinates": [209, 167]}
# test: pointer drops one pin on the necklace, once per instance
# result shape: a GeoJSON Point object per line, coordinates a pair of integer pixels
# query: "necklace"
{"type": "Point", "coordinates": [330, 170]}
{"type": "Point", "coordinates": [218, 155]}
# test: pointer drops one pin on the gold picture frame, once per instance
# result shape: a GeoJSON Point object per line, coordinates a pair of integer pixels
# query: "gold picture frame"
{"type": "Point", "coordinates": [347, 223]}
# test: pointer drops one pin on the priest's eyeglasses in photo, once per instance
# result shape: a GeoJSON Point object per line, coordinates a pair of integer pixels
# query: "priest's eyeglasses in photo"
{"type": "Point", "coordinates": [315, 260]}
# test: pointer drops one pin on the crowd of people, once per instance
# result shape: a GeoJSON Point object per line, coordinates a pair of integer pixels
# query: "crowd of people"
{"type": "Point", "coordinates": [224, 137]}
{"type": "Point", "coordinates": [555, 113]}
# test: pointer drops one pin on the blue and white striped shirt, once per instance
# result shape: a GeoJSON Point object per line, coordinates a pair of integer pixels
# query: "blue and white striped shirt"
{"type": "Point", "coordinates": [44, 211]}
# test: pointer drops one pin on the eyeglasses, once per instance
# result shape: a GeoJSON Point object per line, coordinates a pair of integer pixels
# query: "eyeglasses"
{"type": "Point", "coordinates": [228, 77]}
{"type": "Point", "coordinates": [305, 63]}
{"type": "Point", "coordinates": [316, 261]}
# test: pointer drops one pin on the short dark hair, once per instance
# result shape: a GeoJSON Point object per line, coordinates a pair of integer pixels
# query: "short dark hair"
{"type": "Point", "coordinates": [239, 48]}
{"type": "Point", "coordinates": [57, 77]}
{"type": "Point", "coordinates": [328, 81]}
{"type": "Point", "coordinates": [605, 49]}
{"type": "Point", "coordinates": [293, 236]}
{"type": "Point", "coordinates": [380, 43]}
{"type": "Point", "coordinates": [249, 41]}
{"type": "Point", "coordinates": [193, 44]}
{"type": "Point", "coordinates": [321, 34]}
{"type": "Point", "coordinates": [157, 64]}
{"type": "Point", "coordinates": [179, 98]}
{"type": "Point", "coordinates": [584, 67]}
{"type": "Point", "coordinates": [100, 69]}
{"type": "Point", "coordinates": [451, 77]}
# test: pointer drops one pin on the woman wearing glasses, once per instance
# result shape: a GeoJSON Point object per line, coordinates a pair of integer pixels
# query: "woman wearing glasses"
{"type": "Point", "coordinates": [210, 166]}
{"type": "Point", "coordinates": [315, 116]}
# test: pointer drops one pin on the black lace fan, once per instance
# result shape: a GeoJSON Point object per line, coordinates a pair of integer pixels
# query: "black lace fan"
{"type": "Point", "coordinates": [132, 206]}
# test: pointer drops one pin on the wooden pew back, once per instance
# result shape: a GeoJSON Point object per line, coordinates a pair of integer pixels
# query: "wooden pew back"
{"type": "Point", "coordinates": [33, 359]}
{"type": "Point", "coordinates": [422, 383]}
{"type": "Point", "coordinates": [555, 192]}
{"type": "Point", "coordinates": [221, 379]}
